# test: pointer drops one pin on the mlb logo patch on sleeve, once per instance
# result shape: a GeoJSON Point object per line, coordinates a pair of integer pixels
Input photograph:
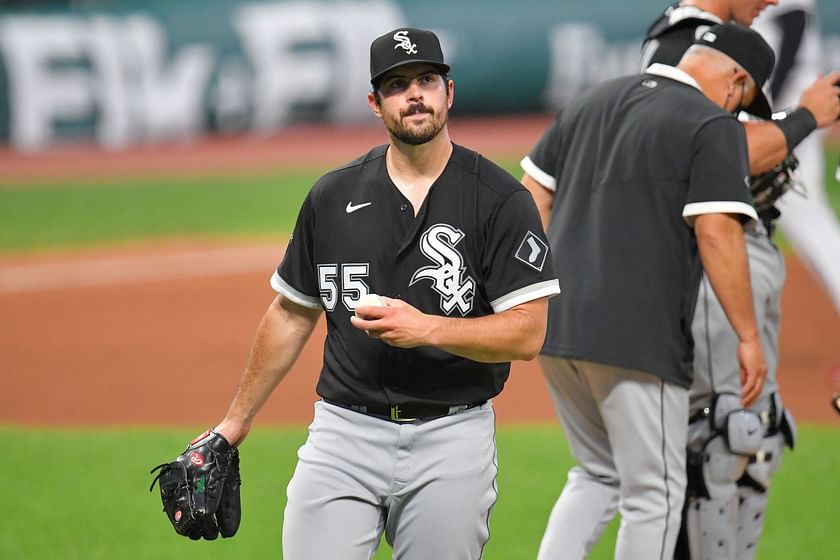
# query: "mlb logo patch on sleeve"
{"type": "Point", "coordinates": [532, 251]}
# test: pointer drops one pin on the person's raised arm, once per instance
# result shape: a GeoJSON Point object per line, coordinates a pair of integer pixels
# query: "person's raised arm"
{"type": "Point", "coordinates": [769, 142]}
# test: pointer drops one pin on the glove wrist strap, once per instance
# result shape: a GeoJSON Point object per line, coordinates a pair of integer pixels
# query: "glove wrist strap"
{"type": "Point", "coordinates": [796, 126]}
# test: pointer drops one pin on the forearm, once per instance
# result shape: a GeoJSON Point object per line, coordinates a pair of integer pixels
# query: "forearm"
{"type": "Point", "coordinates": [278, 341]}
{"type": "Point", "coordinates": [770, 142]}
{"type": "Point", "coordinates": [515, 334]}
{"type": "Point", "coordinates": [720, 240]}
{"type": "Point", "coordinates": [766, 144]}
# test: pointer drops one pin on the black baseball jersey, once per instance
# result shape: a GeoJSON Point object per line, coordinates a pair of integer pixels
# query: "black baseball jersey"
{"type": "Point", "coordinates": [476, 247]}
{"type": "Point", "coordinates": [673, 32]}
{"type": "Point", "coordinates": [631, 165]}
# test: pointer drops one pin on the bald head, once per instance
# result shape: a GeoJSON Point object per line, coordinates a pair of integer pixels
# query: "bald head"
{"type": "Point", "coordinates": [721, 78]}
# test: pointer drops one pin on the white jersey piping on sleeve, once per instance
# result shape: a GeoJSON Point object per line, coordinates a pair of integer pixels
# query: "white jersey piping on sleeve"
{"type": "Point", "coordinates": [282, 287]}
{"type": "Point", "coordinates": [694, 209]}
{"type": "Point", "coordinates": [538, 174]}
{"type": "Point", "coordinates": [547, 288]}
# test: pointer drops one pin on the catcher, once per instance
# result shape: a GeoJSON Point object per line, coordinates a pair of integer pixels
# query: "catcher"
{"type": "Point", "coordinates": [200, 488]}
{"type": "Point", "coordinates": [734, 451]}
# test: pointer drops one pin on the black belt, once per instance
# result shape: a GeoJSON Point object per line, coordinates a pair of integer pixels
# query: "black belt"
{"type": "Point", "coordinates": [407, 412]}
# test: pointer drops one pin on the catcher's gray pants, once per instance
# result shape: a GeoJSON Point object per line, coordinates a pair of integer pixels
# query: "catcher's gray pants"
{"type": "Point", "coordinates": [627, 431]}
{"type": "Point", "coordinates": [716, 367]}
{"type": "Point", "coordinates": [430, 486]}
{"type": "Point", "coordinates": [727, 524]}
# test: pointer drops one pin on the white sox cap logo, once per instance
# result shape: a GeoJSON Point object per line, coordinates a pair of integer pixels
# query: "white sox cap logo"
{"type": "Point", "coordinates": [403, 42]}
{"type": "Point", "coordinates": [438, 244]}
{"type": "Point", "coordinates": [403, 46]}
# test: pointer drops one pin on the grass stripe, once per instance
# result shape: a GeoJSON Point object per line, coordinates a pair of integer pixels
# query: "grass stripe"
{"type": "Point", "coordinates": [236, 206]}
{"type": "Point", "coordinates": [83, 494]}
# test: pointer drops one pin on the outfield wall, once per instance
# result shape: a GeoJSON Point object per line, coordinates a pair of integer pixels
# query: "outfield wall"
{"type": "Point", "coordinates": [137, 71]}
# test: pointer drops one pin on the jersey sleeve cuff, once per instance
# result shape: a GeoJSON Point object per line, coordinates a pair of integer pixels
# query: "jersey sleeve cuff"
{"type": "Point", "coordinates": [538, 174]}
{"type": "Point", "coordinates": [282, 287]}
{"type": "Point", "coordinates": [548, 288]}
{"type": "Point", "coordinates": [694, 209]}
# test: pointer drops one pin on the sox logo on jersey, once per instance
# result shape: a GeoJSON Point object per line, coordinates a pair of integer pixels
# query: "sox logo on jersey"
{"type": "Point", "coordinates": [447, 275]}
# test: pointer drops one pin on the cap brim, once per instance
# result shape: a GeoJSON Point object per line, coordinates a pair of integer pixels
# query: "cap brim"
{"type": "Point", "coordinates": [760, 107]}
{"type": "Point", "coordinates": [442, 67]}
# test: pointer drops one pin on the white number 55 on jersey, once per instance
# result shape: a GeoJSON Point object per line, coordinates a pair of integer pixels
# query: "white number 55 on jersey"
{"type": "Point", "coordinates": [349, 285]}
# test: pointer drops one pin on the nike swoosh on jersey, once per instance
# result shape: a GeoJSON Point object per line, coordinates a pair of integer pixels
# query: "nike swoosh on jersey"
{"type": "Point", "coordinates": [352, 208]}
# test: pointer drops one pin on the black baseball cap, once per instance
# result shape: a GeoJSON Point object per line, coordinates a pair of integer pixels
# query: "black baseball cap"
{"type": "Point", "coordinates": [404, 45]}
{"type": "Point", "coordinates": [751, 51]}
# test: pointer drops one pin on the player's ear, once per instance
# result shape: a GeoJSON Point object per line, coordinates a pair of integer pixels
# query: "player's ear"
{"type": "Point", "coordinates": [450, 93]}
{"type": "Point", "coordinates": [373, 103]}
{"type": "Point", "coordinates": [739, 79]}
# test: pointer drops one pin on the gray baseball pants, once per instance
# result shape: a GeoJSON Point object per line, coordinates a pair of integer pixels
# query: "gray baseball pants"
{"type": "Point", "coordinates": [627, 431]}
{"type": "Point", "coordinates": [429, 486]}
{"type": "Point", "coordinates": [716, 367]}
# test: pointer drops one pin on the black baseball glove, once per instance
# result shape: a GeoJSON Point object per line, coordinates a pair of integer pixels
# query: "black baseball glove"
{"type": "Point", "coordinates": [200, 488]}
{"type": "Point", "coordinates": [768, 187]}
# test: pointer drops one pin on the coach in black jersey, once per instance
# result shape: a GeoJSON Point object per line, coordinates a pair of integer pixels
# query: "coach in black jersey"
{"type": "Point", "coordinates": [403, 440]}
{"type": "Point", "coordinates": [642, 184]}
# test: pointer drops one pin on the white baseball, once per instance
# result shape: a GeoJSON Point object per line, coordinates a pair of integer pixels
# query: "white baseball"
{"type": "Point", "coordinates": [370, 300]}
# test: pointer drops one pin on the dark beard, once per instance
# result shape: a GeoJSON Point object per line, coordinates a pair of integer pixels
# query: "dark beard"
{"type": "Point", "coordinates": [414, 137]}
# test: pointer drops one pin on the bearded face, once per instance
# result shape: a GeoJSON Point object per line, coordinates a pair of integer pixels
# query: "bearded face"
{"type": "Point", "coordinates": [413, 102]}
{"type": "Point", "coordinates": [417, 124]}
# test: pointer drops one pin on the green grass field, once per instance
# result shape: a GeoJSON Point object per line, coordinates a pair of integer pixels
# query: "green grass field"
{"type": "Point", "coordinates": [83, 494]}
{"type": "Point", "coordinates": [73, 214]}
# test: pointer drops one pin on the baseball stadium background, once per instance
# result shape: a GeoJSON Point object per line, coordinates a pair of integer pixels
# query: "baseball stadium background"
{"type": "Point", "coordinates": [154, 156]}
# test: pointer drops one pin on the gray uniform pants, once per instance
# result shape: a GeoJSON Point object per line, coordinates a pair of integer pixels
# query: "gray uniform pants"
{"type": "Point", "coordinates": [430, 486]}
{"type": "Point", "coordinates": [716, 368]}
{"type": "Point", "coordinates": [627, 431]}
